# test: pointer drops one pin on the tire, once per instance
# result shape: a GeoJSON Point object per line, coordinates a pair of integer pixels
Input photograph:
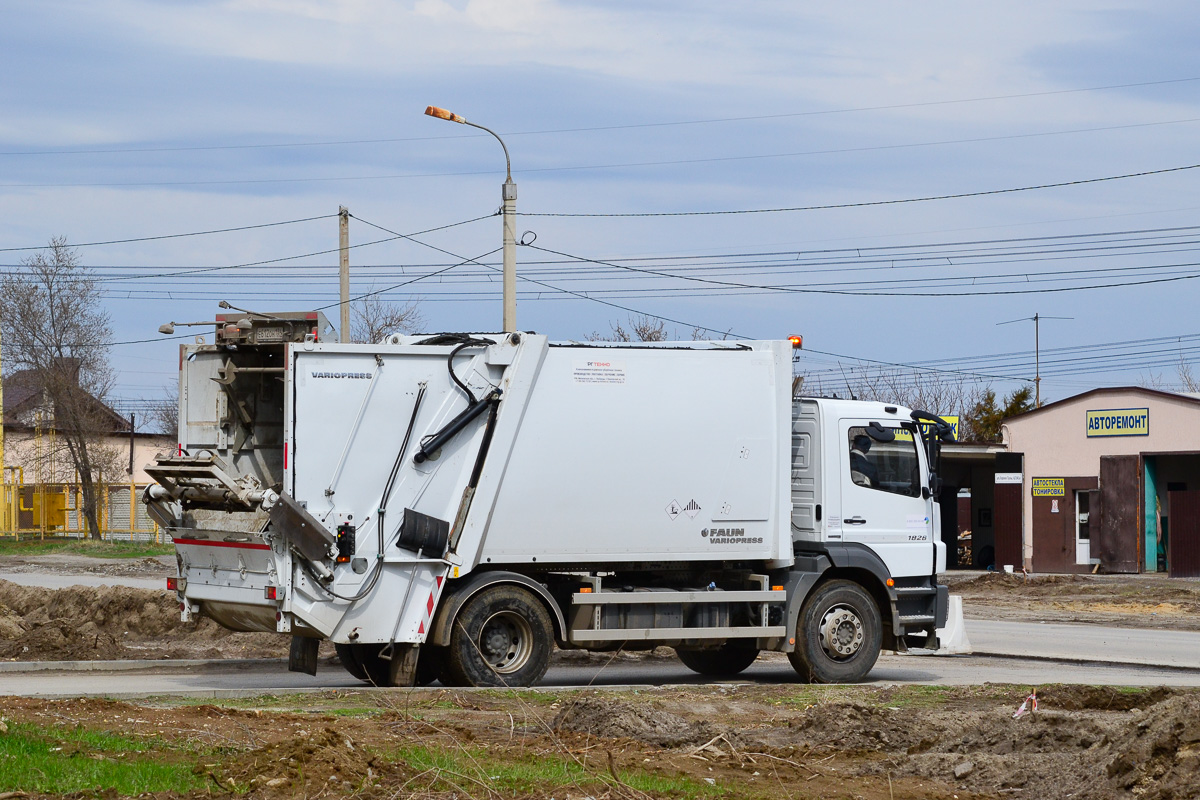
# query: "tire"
{"type": "Point", "coordinates": [728, 659]}
{"type": "Point", "coordinates": [363, 662]}
{"type": "Point", "coordinates": [349, 660]}
{"type": "Point", "coordinates": [838, 635]}
{"type": "Point", "coordinates": [430, 664]}
{"type": "Point", "coordinates": [503, 636]}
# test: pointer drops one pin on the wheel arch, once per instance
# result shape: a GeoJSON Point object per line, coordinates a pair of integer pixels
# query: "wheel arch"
{"type": "Point", "coordinates": [457, 596]}
{"type": "Point", "coordinates": [864, 567]}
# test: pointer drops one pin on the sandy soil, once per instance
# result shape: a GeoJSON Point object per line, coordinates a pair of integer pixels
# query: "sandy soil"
{"type": "Point", "coordinates": [753, 742]}
{"type": "Point", "coordinates": [1123, 601]}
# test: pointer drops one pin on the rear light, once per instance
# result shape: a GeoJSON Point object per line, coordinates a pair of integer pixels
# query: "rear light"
{"type": "Point", "coordinates": [585, 590]}
{"type": "Point", "coordinates": [177, 584]}
{"type": "Point", "coordinates": [271, 592]}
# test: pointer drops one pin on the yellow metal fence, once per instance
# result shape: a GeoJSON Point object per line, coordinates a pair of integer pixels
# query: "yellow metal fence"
{"type": "Point", "coordinates": [56, 509]}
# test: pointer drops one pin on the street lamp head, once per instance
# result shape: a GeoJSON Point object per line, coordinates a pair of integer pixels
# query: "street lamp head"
{"type": "Point", "coordinates": [169, 328]}
{"type": "Point", "coordinates": [442, 113]}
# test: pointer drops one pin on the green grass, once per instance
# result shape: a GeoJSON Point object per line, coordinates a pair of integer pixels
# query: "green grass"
{"type": "Point", "coordinates": [536, 774]}
{"type": "Point", "coordinates": [52, 761]}
{"type": "Point", "coordinates": [30, 545]}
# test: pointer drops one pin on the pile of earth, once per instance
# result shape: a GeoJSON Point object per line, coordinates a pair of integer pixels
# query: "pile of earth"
{"type": "Point", "coordinates": [1116, 600]}
{"type": "Point", "coordinates": [876, 743]}
{"type": "Point", "coordinates": [1082, 742]}
{"type": "Point", "coordinates": [114, 622]}
{"type": "Point", "coordinates": [324, 763]}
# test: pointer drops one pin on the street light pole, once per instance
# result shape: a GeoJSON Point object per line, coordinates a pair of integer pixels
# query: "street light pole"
{"type": "Point", "coordinates": [508, 195]}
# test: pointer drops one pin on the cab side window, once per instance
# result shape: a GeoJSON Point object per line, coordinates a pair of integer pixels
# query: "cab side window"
{"type": "Point", "coordinates": [885, 466]}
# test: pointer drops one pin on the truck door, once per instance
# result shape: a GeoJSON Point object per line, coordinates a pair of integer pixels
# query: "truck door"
{"type": "Point", "coordinates": [882, 503]}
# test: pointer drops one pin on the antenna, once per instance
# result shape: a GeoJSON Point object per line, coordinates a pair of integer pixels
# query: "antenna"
{"type": "Point", "coordinates": [1037, 351]}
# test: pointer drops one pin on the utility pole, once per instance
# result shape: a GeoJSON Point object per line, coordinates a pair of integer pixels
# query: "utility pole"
{"type": "Point", "coordinates": [509, 193]}
{"type": "Point", "coordinates": [1037, 352]}
{"type": "Point", "coordinates": [344, 272]}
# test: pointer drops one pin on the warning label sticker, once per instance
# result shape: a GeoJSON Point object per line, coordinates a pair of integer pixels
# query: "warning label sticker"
{"type": "Point", "coordinates": [611, 372]}
{"type": "Point", "coordinates": [674, 509]}
{"type": "Point", "coordinates": [692, 509]}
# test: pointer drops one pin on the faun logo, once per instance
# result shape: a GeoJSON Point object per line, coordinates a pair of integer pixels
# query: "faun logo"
{"type": "Point", "coordinates": [729, 536]}
{"type": "Point", "coordinates": [341, 375]}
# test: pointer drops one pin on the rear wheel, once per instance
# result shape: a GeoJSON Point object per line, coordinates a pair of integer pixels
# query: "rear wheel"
{"type": "Point", "coordinates": [838, 635]}
{"type": "Point", "coordinates": [430, 664]}
{"type": "Point", "coordinates": [364, 661]}
{"type": "Point", "coordinates": [730, 658]}
{"type": "Point", "coordinates": [503, 636]}
{"type": "Point", "coordinates": [349, 660]}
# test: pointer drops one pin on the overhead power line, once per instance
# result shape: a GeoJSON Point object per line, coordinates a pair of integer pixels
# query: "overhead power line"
{"type": "Point", "coordinates": [580, 295]}
{"type": "Point", "coordinates": [865, 204]}
{"type": "Point", "coordinates": [601, 128]}
{"type": "Point", "coordinates": [175, 235]}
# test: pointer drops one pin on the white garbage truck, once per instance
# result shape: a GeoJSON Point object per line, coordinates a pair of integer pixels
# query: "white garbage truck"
{"type": "Point", "coordinates": [453, 507]}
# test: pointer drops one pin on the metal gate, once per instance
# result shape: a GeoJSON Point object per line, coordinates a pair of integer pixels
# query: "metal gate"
{"type": "Point", "coordinates": [1183, 540]}
{"type": "Point", "coordinates": [1120, 513]}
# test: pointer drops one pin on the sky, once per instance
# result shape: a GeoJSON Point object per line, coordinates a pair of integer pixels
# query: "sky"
{"type": "Point", "coordinates": [907, 178]}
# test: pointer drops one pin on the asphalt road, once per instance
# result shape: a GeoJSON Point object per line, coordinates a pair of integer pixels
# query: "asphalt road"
{"type": "Point", "coordinates": [233, 679]}
{"type": "Point", "coordinates": [1004, 652]}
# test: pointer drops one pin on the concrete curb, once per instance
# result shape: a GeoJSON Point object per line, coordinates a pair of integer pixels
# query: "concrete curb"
{"type": "Point", "coordinates": [1094, 661]}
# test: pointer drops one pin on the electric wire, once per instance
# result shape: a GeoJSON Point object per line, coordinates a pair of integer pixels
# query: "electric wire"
{"type": "Point", "coordinates": [601, 128]}
{"type": "Point", "coordinates": [176, 235]}
{"type": "Point", "coordinates": [868, 203]}
{"type": "Point", "coordinates": [584, 296]}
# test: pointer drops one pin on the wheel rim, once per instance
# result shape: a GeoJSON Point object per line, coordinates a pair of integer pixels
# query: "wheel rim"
{"type": "Point", "coordinates": [506, 641]}
{"type": "Point", "coordinates": [842, 632]}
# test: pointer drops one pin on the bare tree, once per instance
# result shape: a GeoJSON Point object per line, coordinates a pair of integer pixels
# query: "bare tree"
{"type": "Point", "coordinates": [371, 319]}
{"type": "Point", "coordinates": [162, 414]}
{"type": "Point", "coordinates": [1187, 378]}
{"type": "Point", "coordinates": [645, 328]}
{"type": "Point", "coordinates": [56, 332]}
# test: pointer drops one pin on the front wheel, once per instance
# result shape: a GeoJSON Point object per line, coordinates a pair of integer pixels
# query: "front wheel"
{"type": "Point", "coordinates": [838, 635]}
{"type": "Point", "coordinates": [503, 636]}
{"type": "Point", "coordinates": [730, 658]}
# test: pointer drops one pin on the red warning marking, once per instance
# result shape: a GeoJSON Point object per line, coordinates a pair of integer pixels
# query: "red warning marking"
{"type": "Point", "coordinates": [422, 628]}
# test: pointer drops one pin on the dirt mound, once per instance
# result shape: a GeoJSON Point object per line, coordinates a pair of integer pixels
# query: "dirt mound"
{"type": "Point", "coordinates": [612, 719]}
{"type": "Point", "coordinates": [1099, 698]}
{"type": "Point", "coordinates": [113, 622]}
{"type": "Point", "coordinates": [1006, 581]}
{"type": "Point", "coordinates": [326, 762]}
{"type": "Point", "coordinates": [1083, 742]}
{"type": "Point", "coordinates": [1158, 755]}
{"type": "Point", "coordinates": [854, 727]}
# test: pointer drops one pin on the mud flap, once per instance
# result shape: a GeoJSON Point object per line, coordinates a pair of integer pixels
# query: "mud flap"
{"type": "Point", "coordinates": [302, 657]}
{"type": "Point", "coordinates": [402, 665]}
